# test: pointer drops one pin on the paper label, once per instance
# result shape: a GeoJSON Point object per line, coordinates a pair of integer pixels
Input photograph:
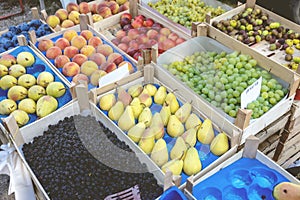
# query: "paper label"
{"type": "Point", "coordinates": [114, 76]}
{"type": "Point", "coordinates": [251, 93]}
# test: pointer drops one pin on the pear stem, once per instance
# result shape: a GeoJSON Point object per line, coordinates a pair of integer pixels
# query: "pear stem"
{"type": "Point", "coordinates": [61, 89]}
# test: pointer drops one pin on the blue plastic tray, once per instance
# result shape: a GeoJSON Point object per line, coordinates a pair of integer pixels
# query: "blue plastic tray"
{"type": "Point", "coordinates": [173, 193]}
{"type": "Point", "coordinates": [69, 78]}
{"type": "Point", "coordinates": [244, 179]}
{"type": "Point", "coordinates": [38, 67]}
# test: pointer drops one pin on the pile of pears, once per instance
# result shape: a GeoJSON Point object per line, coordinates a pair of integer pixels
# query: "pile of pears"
{"type": "Point", "coordinates": [27, 94]}
{"type": "Point", "coordinates": [131, 111]}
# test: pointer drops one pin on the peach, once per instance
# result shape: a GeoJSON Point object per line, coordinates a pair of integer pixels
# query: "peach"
{"type": "Point", "coordinates": [97, 18]}
{"type": "Point", "coordinates": [62, 14]}
{"type": "Point", "coordinates": [87, 50]}
{"type": "Point", "coordinates": [125, 39]}
{"type": "Point", "coordinates": [88, 67]}
{"type": "Point", "coordinates": [113, 6]}
{"type": "Point", "coordinates": [67, 23]}
{"type": "Point", "coordinates": [134, 44]}
{"type": "Point", "coordinates": [84, 8]}
{"type": "Point", "coordinates": [123, 46]}
{"type": "Point", "coordinates": [165, 31]}
{"type": "Point", "coordinates": [137, 23]}
{"type": "Point", "coordinates": [120, 34]}
{"type": "Point", "coordinates": [168, 44]}
{"type": "Point", "coordinates": [78, 41]}
{"type": "Point", "coordinates": [102, 4]}
{"type": "Point", "coordinates": [115, 58]}
{"type": "Point", "coordinates": [126, 15]}
{"type": "Point", "coordinates": [104, 11]}
{"type": "Point", "coordinates": [105, 49]}
{"type": "Point", "coordinates": [141, 39]}
{"type": "Point", "coordinates": [179, 41]}
{"type": "Point", "coordinates": [79, 59]}
{"type": "Point", "coordinates": [61, 60]}
{"type": "Point", "coordinates": [140, 17]}
{"type": "Point", "coordinates": [131, 50]}
{"type": "Point", "coordinates": [115, 41]}
{"type": "Point", "coordinates": [98, 58]}
{"type": "Point", "coordinates": [108, 67]}
{"type": "Point", "coordinates": [52, 21]}
{"type": "Point", "coordinates": [80, 77]}
{"type": "Point", "coordinates": [74, 17]}
{"type": "Point", "coordinates": [161, 38]}
{"type": "Point", "coordinates": [71, 69]}
{"type": "Point", "coordinates": [45, 44]}
{"type": "Point", "coordinates": [69, 34]}
{"type": "Point", "coordinates": [96, 76]}
{"type": "Point", "coordinates": [87, 34]}
{"type": "Point", "coordinates": [62, 43]}
{"type": "Point", "coordinates": [148, 23]}
{"type": "Point", "coordinates": [93, 8]}
{"type": "Point", "coordinates": [152, 34]}
{"type": "Point", "coordinates": [72, 7]}
{"type": "Point", "coordinates": [133, 33]}
{"type": "Point", "coordinates": [130, 67]}
{"type": "Point", "coordinates": [71, 51]}
{"type": "Point", "coordinates": [173, 36]}
{"type": "Point", "coordinates": [53, 52]}
{"type": "Point", "coordinates": [123, 8]}
{"type": "Point", "coordinates": [95, 41]}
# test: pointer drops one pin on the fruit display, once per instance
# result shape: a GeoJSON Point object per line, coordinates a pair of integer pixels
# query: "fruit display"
{"type": "Point", "coordinates": [69, 17]}
{"type": "Point", "coordinates": [83, 56]}
{"type": "Point", "coordinates": [185, 12]}
{"type": "Point", "coordinates": [252, 26]}
{"type": "Point", "coordinates": [29, 90]}
{"type": "Point", "coordinates": [141, 33]}
{"type": "Point", "coordinates": [174, 137]}
{"type": "Point", "coordinates": [77, 159]}
{"type": "Point", "coordinates": [8, 40]}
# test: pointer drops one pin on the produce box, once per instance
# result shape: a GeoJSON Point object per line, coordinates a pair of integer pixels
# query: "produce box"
{"type": "Point", "coordinates": [89, 57]}
{"type": "Point", "coordinates": [243, 176]}
{"type": "Point", "coordinates": [80, 151]}
{"type": "Point", "coordinates": [264, 31]}
{"type": "Point", "coordinates": [203, 73]}
{"type": "Point", "coordinates": [163, 139]}
{"type": "Point", "coordinates": [183, 14]}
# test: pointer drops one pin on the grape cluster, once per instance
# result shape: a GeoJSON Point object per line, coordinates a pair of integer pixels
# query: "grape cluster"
{"type": "Point", "coordinates": [221, 79]}
{"type": "Point", "coordinates": [64, 161]}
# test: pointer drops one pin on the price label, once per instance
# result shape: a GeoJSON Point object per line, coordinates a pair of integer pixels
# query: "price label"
{"type": "Point", "coordinates": [114, 76]}
{"type": "Point", "coordinates": [251, 93]}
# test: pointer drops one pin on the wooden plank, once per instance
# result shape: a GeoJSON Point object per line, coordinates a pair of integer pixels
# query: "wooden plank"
{"type": "Point", "coordinates": [288, 153]}
{"type": "Point", "coordinates": [291, 160]}
{"type": "Point", "coordinates": [250, 3]}
{"type": "Point", "coordinates": [168, 182]}
{"type": "Point", "coordinates": [295, 109]}
{"type": "Point", "coordinates": [148, 74]}
{"type": "Point", "coordinates": [35, 13]}
{"type": "Point", "coordinates": [243, 118]}
{"type": "Point", "coordinates": [12, 127]}
{"type": "Point", "coordinates": [133, 8]}
{"type": "Point", "coordinates": [251, 146]}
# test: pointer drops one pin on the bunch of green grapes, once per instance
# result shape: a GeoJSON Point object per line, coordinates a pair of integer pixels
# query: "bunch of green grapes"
{"type": "Point", "coordinates": [221, 79]}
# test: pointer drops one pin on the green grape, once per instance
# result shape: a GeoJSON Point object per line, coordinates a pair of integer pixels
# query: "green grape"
{"type": "Point", "coordinates": [252, 62]}
{"type": "Point", "coordinates": [239, 65]}
{"type": "Point", "coordinates": [243, 85]}
{"type": "Point", "coordinates": [229, 72]}
{"type": "Point", "coordinates": [265, 108]}
{"type": "Point", "coordinates": [214, 103]}
{"type": "Point", "coordinates": [264, 88]}
{"type": "Point", "coordinates": [277, 97]}
{"type": "Point", "coordinates": [232, 101]}
{"type": "Point", "coordinates": [232, 113]}
{"type": "Point", "coordinates": [205, 91]}
{"type": "Point", "coordinates": [211, 94]}
{"type": "Point", "coordinates": [271, 94]}
{"type": "Point", "coordinates": [218, 98]}
{"type": "Point", "coordinates": [224, 80]}
{"type": "Point", "coordinates": [251, 106]}
{"type": "Point", "coordinates": [260, 99]}
{"type": "Point", "coordinates": [236, 93]}
{"type": "Point", "coordinates": [265, 95]}
{"type": "Point", "coordinates": [272, 101]}
{"type": "Point", "coordinates": [223, 94]}
{"type": "Point", "coordinates": [280, 92]}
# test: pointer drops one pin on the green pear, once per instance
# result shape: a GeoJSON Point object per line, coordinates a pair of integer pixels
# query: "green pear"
{"type": "Point", "coordinates": [159, 153]}
{"type": "Point", "coordinates": [17, 93]}
{"type": "Point", "coordinates": [147, 141]}
{"type": "Point", "coordinates": [192, 164]}
{"type": "Point", "coordinates": [27, 105]}
{"type": "Point", "coordinates": [21, 117]}
{"type": "Point", "coordinates": [116, 111]}
{"type": "Point", "coordinates": [46, 105]}
{"type": "Point", "coordinates": [3, 70]}
{"type": "Point", "coordinates": [25, 58]}
{"type": "Point", "coordinates": [7, 106]}
{"type": "Point", "coordinates": [7, 82]}
{"type": "Point", "coordinates": [193, 121]}
{"type": "Point", "coordinates": [179, 149]}
{"type": "Point", "coordinates": [286, 191]}
{"type": "Point", "coordinates": [135, 90]}
{"type": "Point", "coordinates": [175, 128]}
{"type": "Point", "coordinates": [190, 137]}
{"type": "Point", "coordinates": [175, 166]}
{"type": "Point", "coordinates": [184, 112]}
{"type": "Point", "coordinates": [44, 79]}
{"type": "Point", "coordinates": [107, 101]}
{"type": "Point", "coordinates": [124, 96]}
{"type": "Point", "coordinates": [137, 107]}
{"type": "Point", "coordinates": [145, 98]}
{"type": "Point", "coordinates": [220, 144]}
{"type": "Point", "coordinates": [146, 116]}
{"type": "Point", "coordinates": [35, 92]}
{"type": "Point", "coordinates": [135, 133]}
{"type": "Point", "coordinates": [165, 114]}
{"type": "Point", "coordinates": [151, 89]}
{"type": "Point", "coordinates": [160, 95]}
{"type": "Point", "coordinates": [171, 100]}
{"type": "Point", "coordinates": [56, 89]}
{"type": "Point", "coordinates": [126, 121]}
{"type": "Point", "coordinates": [158, 126]}
{"type": "Point", "coordinates": [205, 133]}
{"type": "Point", "coordinates": [26, 80]}
{"type": "Point", "coordinates": [16, 70]}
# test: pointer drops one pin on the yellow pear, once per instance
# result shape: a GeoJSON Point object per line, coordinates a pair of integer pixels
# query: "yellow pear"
{"type": "Point", "coordinates": [192, 164]}
{"type": "Point", "coordinates": [286, 191]}
{"type": "Point", "coordinates": [165, 114]}
{"type": "Point", "coordinates": [151, 89]}
{"type": "Point", "coordinates": [172, 101]}
{"type": "Point", "coordinates": [116, 111]}
{"type": "Point", "coordinates": [220, 144]}
{"type": "Point", "coordinates": [184, 112]}
{"type": "Point", "coordinates": [147, 141]}
{"type": "Point", "coordinates": [160, 95]}
{"type": "Point", "coordinates": [135, 133]}
{"type": "Point", "coordinates": [107, 101]}
{"type": "Point", "coordinates": [178, 149]}
{"type": "Point", "coordinates": [146, 116]}
{"type": "Point", "coordinates": [174, 128]}
{"type": "Point", "coordinates": [126, 121]}
{"type": "Point", "coordinates": [27, 105]}
{"type": "Point", "coordinates": [175, 166]}
{"type": "Point", "coordinates": [21, 117]}
{"type": "Point", "coordinates": [205, 133]}
{"type": "Point", "coordinates": [124, 96]}
{"type": "Point", "coordinates": [137, 107]}
{"type": "Point", "coordinates": [160, 153]}
{"type": "Point", "coordinates": [170, 96]}
{"type": "Point", "coordinates": [193, 121]}
{"type": "Point", "coordinates": [135, 90]}
{"type": "Point", "coordinates": [145, 98]}
{"type": "Point", "coordinates": [190, 137]}
{"type": "Point", "coordinates": [46, 105]}
{"type": "Point", "coordinates": [157, 126]}
{"type": "Point", "coordinates": [7, 106]}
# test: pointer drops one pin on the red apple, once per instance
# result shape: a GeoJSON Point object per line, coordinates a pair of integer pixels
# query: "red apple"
{"type": "Point", "coordinates": [126, 15]}
{"type": "Point", "coordinates": [137, 23]}
{"type": "Point", "coordinates": [123, 46]}
{"type": "Point", "coordinates": [137, 55]}
{"type": "Point", "coordinates": [120, 34]}
{"type": "Point", "coordinates": [127, 27]}
{"type": "Point", "coordinates": [142, 39]}
{"type": "Point", "coordinates": [148, 23]}
{"type": "Point", "coordinates": [161, 38]}
{"type": "Point", "coordinates": [173, 36]}
{"type": "Point", "coordinates": [157, 26]}
{"type": "Point", "coordinates": [141, 17]}
{"type": "Point", "coordinates": [133, 34]}
{"type": "Point", "coordinates": [124, 21]}
{"type": "Point", "coordinates": [134, 44]}
{"type": "Point", "coordinates": [152, 34]}
{"type": "Point", "coordinates": [115, 41]}
{"type": "Point", "coordinates": [165, 31]}
{"type": "Point", "coordinates": [125, 39]}
{"type": "Point", "coordinates": [143, 29]}
{"type": "Point", "coordinates": [131, 50]}
{"type": "Point", "coordinates": [152, 42]}
{"type": "Point", "coordinates": [168, 44]}
{"type": "Point", "coordinates": [179, 41]}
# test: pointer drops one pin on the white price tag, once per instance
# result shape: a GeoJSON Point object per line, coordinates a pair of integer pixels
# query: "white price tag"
{"type": "Point", "coordinates": [114, 76]}
{"type": "Point", "coordinates": [251, 93]}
